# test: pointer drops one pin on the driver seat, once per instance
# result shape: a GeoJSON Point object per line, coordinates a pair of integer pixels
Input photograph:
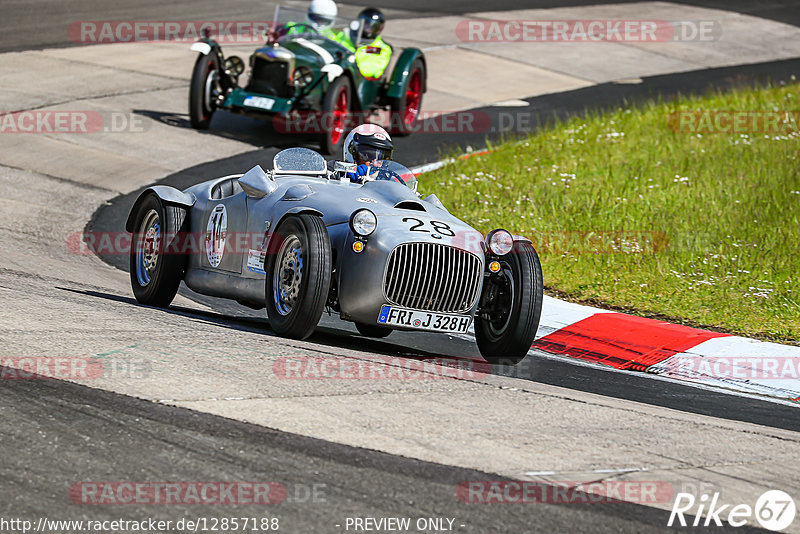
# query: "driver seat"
{"type": "Point", "coordinates": [226, 188]}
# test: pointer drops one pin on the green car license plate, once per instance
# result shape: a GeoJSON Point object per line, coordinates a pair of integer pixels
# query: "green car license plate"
{"type": "Point", "coordinates": [259, 102]}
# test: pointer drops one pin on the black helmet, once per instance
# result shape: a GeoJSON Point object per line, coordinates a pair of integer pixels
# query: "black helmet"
{"type": "Point", "coordinates": [368, 147]}
{"type": "Point", "coordinates": [372, 21]}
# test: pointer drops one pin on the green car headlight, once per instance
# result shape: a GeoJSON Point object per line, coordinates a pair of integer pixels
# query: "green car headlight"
{"type": "Point", "coordinates": [302, 77]}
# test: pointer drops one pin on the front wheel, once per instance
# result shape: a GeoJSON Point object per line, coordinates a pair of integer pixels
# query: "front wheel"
{"type": "Point", "coordinates": [372, 330]}
{"type": "Point", "coordinates": [203, 91]}
{"type": "Point", "coordinates": [156, 263]}
{"type": "Point", "coordinates": [298, 276]}
{"type": "Point", "coordinates": [511, 305]}
{"type": "Point", "coordinates": [336, 108]}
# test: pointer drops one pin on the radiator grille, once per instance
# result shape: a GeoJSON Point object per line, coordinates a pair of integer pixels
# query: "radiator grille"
{"type": "Point", "coordinates": [270, 78]}
{"type": "Point", "coordinates": [432, 277]}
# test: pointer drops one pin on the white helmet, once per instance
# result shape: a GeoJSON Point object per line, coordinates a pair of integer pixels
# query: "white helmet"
{"type": "Point", "coordinates": [371, 138]}
{"type": "Point", "coordinates": [321, 13]}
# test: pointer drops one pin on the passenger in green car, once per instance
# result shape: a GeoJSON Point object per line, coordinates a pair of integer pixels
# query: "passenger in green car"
{"type": "Point", "coordinates": [372, 58]}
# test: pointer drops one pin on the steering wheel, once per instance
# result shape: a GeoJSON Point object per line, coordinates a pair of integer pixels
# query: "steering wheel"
{"type": "Point", "coordinates": [281, 31]}
{"type": "Point", "coordinates": [388, 176]}
{"type": "Point", "coordinates": [306, 27]}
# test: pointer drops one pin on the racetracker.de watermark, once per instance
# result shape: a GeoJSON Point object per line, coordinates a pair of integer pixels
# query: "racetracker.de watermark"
{"type": "Point", "coordinates": [71, 368]}
{"type": "Point", "coordinates": [588, 30]}
{"type": "Point", "coordinates": [427, 122]}
{"type": "Point", "coordinates": [177, 493]}
{"type": "Point", "coordinates": [737, 368]}
{"type": "Point", "coordinates": [71, 122]}
{"type": "Point", "coordinates": [564, 492]}
{"type": "Point", "coordinates": [202, 243]}
{"type": "Point", "coordinates": [776, 122]}
{"type": "Point", "coordinates": [245, 243]}
{"type": "Point", "coordinates": [377, 368]}
{"type": "Point", "coordinates": [183, 31]}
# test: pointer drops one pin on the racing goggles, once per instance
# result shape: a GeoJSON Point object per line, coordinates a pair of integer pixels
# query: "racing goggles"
{"type": "Point", "coordinates": [320, 20]}
{"type": "Point", "coordinates": [368, 154]}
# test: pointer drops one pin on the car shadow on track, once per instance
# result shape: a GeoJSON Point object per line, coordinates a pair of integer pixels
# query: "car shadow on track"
{"type": "Point", "coordinates": [334, 337]}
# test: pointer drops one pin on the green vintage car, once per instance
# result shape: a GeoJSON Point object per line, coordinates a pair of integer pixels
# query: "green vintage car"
{"type": "Point", "coordinates": [305, 82]}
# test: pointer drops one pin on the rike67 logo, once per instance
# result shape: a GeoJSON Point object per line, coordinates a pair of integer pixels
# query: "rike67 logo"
{"type": "Point", "coordinates": [774, 510]}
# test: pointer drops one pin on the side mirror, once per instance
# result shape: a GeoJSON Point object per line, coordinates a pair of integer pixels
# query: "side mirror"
{"type": "Point", "coordinates": [256, 183]}
{"type": "Point", "coordinates": [345, 167]}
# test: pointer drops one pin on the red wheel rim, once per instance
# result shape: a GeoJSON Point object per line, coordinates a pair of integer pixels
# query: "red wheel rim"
{"type": "Point", "coordinates": [339, 116]}
{"type": "Point", "coordinates": [413, 98]}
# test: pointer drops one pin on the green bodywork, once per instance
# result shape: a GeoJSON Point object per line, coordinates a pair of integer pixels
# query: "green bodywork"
{"type": "Point", "coordinates": [308, 50]}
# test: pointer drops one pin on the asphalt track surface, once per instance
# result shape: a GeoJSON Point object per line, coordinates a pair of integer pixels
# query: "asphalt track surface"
{"type": "Point", "coordinates": [56, 429]}
{"type": "Point", "coordinates": [109, 436]}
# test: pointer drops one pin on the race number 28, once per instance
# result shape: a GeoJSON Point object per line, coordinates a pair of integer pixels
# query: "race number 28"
{"type": "Point", "coordinates": [438, 226]}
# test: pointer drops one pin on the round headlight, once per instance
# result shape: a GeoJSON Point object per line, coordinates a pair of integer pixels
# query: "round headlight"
{"type": "Point", "coordinates": [302, 76]}
{"type": "Point", "coordinates": [234, 66]}
{"type": "Point", "coordinates": [363, 222]}
{"type": "Point", "coordinates": [500, 242]}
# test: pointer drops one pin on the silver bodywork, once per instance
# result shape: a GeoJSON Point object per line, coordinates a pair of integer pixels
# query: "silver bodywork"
{"type": "Point", "coordinates": [429, 269]}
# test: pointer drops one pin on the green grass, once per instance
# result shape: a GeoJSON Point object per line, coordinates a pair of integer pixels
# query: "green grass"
{"type": "Point", "coordinates": [626, 213]}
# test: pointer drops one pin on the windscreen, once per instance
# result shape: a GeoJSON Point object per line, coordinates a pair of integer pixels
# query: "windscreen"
{"type": "Point", "coordinates": [391, 171]}
{"type": "Point", "coordinates": [299, 161]}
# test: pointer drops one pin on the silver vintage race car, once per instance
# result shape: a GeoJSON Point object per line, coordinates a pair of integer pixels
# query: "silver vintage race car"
{"type": "Point", "coordinates": [299, 238]}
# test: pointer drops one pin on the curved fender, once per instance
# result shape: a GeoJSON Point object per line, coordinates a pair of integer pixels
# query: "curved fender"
{"type": "Point", "coordinates": [333, 71]}
{"type": "Point", "coordinates": [397, 83]}
{"type": "Point", "coordinates": [167, 194]}
{"type": "Point", "coordinates": [296, 210]}
{"type": "Point", "coordinates": [203, 48]}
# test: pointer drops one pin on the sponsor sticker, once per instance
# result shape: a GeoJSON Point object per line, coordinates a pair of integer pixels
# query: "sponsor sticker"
{"type": "Point", "coordinates": [216, 234]}
{"type": "Point", "coordinates": [255, 261]}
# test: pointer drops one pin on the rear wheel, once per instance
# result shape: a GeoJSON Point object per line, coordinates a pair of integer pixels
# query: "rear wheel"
{"type": "Point", "coordinates": [203, 91]}
{"type": "Point", "coordinates": [372, 330]}
{"type": "Point", "coordinates": [298, 276]}
{"type": "Point", "coordinates": [156, 264]}
{"type": "Point", "coordinates": [511, 305]}
{"type": "Point", "coordinates": [336, 108]}
{"type": "Point", "coordinates": [406, 109]}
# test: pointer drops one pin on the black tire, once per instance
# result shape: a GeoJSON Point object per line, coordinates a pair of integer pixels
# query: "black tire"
{"type": "Point", "coordinates": [401, 125]}
{"type": "Point", "coordinates": [155, 278]}
{"type": "Point", "coordinates": [296, 317]}
{"type": "Point", "coordinates": [333, 132]}
{"type": "Point", "coordinates": [505, 340]}
{"type": "Point", "coordinates": [373, 330]}
{"type": "Point", "coordinates": [201, 102]}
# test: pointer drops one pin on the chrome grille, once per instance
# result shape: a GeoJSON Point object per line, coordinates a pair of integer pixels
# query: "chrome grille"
{"type": "Point", "coordinates": [432, 277]}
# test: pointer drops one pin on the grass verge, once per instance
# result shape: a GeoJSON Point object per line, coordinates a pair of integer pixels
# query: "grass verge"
{"type": "Point", "coordinates": [646, 211]}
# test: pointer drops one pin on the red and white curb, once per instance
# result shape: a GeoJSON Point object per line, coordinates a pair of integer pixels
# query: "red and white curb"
{"type": "Point", "coordinates": [631, 343]}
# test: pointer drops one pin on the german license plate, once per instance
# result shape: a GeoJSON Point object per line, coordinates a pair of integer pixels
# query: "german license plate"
{"type": "Point", "coordinates": [420, 320]}
{"type": "Point", "coordinates": [259, 102]}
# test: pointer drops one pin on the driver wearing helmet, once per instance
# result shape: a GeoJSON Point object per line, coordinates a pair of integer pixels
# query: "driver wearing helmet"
{"type": "Point", "coordinates": [373, 57]}
{"type": "Point", "coordinates": [364, 145]}
{"type": "Point", "coordinates": [321, 16]}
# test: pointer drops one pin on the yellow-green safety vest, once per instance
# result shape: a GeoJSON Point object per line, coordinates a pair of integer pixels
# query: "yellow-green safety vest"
{"type": "Point", "coordinates": [373, 58]}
